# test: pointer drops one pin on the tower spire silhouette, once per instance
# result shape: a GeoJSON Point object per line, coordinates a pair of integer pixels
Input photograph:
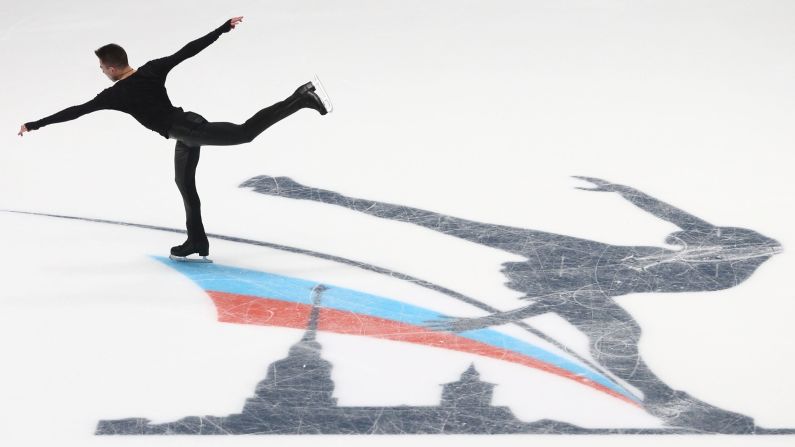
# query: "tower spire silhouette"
{"type": "Point", "coordinates": [303, 378]}
{"type": "Point", "coordinates": [317, 297]}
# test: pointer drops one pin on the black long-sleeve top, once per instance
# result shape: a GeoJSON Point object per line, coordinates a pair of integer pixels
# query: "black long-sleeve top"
{"type": "Point", "coordinates": [142, 94]}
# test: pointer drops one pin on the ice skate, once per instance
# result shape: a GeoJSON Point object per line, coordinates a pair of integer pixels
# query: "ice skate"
{"type": "Point", "coordinates": [197, 259]}
{"type": "Point", "coordinates": [182, 253]}
{"type": "Point", "coordinates": [316, 96]}
{"type": "Point", "coordinates": [321, 92]}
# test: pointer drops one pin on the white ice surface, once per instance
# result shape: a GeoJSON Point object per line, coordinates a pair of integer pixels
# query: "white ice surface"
{"type": "Point", "coordinates": [480, 110]}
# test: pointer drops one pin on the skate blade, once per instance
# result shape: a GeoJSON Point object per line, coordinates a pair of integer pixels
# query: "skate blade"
{"type": "Point", "coordinates": [201, 260]}
{"type": "Point", "coordinates": [321, 92]}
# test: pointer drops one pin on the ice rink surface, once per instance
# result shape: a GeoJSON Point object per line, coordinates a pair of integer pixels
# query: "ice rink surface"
{"type": "Point", "coordinates": [476, 112]}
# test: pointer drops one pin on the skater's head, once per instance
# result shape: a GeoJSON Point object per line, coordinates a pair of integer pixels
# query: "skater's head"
{"type": "Point", "coordinates": [113, 61]}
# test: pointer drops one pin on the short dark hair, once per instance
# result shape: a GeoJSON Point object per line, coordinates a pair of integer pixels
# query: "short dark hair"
{"type": "Point", "coordinates": [112, 55]}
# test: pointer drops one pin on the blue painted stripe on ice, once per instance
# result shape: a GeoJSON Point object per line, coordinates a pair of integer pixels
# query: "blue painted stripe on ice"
{"type": "Point", "coordinates": [239, 281]}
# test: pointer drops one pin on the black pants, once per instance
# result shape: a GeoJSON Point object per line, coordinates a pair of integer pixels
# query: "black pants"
{"type": "Point", "coordinates": [192, 131]}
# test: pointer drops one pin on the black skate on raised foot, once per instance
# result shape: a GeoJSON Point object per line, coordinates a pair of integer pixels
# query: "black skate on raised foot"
{"type": "Point", "coordinates": [181, 252]}
{"type": "Point", "coordinates": [316, 96]}
{"type": "Point", "coordinates": [681, 410]}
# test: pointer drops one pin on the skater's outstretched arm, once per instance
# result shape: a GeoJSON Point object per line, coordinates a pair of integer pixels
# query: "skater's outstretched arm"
{"type": "Point", "coordinates": [658, 208]}
{"type": "Point", "coordinates": [163, 65]}
{"type": "Point", "coordinates": [101, 102]}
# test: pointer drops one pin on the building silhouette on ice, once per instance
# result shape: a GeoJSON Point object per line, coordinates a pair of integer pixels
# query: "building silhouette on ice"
{"type": "Point", "coordinates": [296, 398]}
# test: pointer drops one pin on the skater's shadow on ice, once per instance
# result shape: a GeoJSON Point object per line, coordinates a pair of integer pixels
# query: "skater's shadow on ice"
{"type": "Point", "coordinates": [578, 278]}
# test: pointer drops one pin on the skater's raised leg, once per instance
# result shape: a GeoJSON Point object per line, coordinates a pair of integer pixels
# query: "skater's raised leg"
{"type": "Point", "coordinates": [193, 130]}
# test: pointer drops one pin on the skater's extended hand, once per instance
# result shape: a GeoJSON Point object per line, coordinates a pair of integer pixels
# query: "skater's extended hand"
{"type": "Point", "coordinates": [22, 130]}
{"type": "Point", "coordinates": [234, 21]}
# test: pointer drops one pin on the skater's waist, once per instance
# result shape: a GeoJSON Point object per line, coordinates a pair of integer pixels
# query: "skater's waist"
{"type": "Point", "coordinates": [163, 121]}
{"type": "Point", "coordinates": [181, 118]}
{"type": "Point", "coordinates": [184, 123]}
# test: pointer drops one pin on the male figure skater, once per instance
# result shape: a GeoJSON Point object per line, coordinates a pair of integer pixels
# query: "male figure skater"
{"type": "Point", "coordinates": [142, 94]}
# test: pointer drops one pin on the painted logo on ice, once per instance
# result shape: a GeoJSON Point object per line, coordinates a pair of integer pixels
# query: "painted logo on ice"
{"type": "Point", "coordinates": [573, 278]}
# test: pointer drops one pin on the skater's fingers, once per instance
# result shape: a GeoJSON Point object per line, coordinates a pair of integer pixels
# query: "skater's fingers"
{"type": "Point", "coordinates": [235, 21]}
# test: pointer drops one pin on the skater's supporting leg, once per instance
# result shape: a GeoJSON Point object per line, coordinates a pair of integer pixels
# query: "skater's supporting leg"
{"type": "Point", "coordinates": [186, 159]}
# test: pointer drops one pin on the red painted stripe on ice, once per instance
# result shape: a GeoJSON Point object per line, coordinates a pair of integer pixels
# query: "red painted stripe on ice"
{"type": "Point", "coordinates": [242, 309]}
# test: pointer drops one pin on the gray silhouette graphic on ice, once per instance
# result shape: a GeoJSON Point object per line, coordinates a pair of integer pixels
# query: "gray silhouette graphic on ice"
{"type": "Point", "coordinates": [578, 278]}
